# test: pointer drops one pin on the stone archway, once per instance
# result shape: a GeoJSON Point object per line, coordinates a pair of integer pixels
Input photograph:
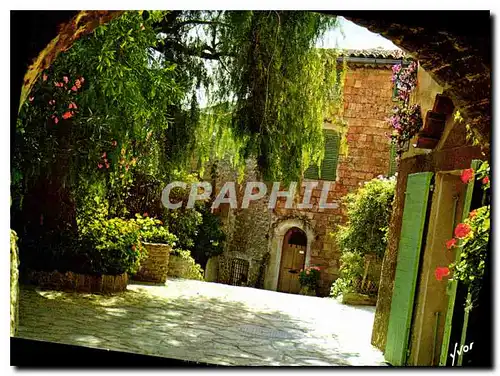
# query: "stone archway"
{"type": "Point", "coordinates": [276, 245]}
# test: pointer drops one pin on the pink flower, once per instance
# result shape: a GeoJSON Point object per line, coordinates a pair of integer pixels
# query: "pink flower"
{"type": "Point", "coordinates": [31, 99]}
{"type": "Point", "coordinates": [72, 105]}
{"type": "Point", "coordinates": [44, 77]}
{"type": "Point", "coordinates": [99, 165]}
{"type": "Point", "coordinates": [114, 143]}
{"type": "Point", "coordinates": [451, 243]}
{"type": "Point", "coordinates": [145, 214]}
{"type": "Point", "coordinates": [82, 80]}
{"type": "Point", "coordinates": [67, 115]}
{"type": "Point", "coordinates": [56, 120]}
{"type": "Point", "coordinates": [65, 79]}
{"type": "Point", "coordinates": [78, 84]}
{"type": "Point", "coordinates": [103, 155]}
{"type": "Point", "coordinates": [74, 88]}
{"type": "Point", "coordinates": [467, 175]}
{"type": "Point", "coordinates": [462, 230]}
{"type": "Point", "coordinates": [58, 84]}
{"type": "Point", "coordinates": [441, 271]}
{"type": "Point", "coordinates": [52, 102]}
{"type": "Point", "coordinates": [107, 165]}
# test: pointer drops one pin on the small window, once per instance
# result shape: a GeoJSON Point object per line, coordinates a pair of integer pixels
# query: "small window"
{"type": "Point", "coordinates": [239, 272]}
{"type": "Point", "coordinates": [330, 161]}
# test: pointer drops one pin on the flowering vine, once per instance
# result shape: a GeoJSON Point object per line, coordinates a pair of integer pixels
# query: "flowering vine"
{"type": "Point", "coordinates": [472, 238]}
{"type": "Point", "coordinates": [406, 119]}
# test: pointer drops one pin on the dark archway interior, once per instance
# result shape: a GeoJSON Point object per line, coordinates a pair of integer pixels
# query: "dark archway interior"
{"type": "Point", "coordinates": [297, 237]}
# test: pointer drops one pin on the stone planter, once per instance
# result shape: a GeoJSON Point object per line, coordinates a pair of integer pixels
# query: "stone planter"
{"type": "Point", "coordinates": [306, 290]}
{"type": "Point", "coordinates": [69, 281]}
{"type": "Point", "coordinates": [353, 298]}
{"type": "Point", "coordinates": [155, 267]}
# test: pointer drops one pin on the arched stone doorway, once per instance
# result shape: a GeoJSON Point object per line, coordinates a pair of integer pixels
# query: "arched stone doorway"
{"type": "Point", "coordinates": [293, 257]}
{"type": "Point", "coordinates": [277, 242]}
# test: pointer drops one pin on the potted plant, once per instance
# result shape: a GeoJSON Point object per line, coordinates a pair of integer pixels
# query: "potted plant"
{"type": "Point", "coordinates": [158, 241]}
{"type": "Point", "coordinates": [309, 279]}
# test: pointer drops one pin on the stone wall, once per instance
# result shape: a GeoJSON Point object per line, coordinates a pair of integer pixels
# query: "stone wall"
{"type": "Point", "coordinates": [367, 104]}
{"type": "Point", "coordinates": [69, 281]}
{"type": "Point", "coordinates": [155, 267]}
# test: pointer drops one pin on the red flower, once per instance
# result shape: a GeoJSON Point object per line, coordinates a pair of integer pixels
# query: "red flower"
{"type": "Point", "coordinates": [472, 214]}
{"type": "Point", "coordinates": [462, 230]}
{"type": "Point", "coordinates": [441, 271]}
{"type": "Point", "coordinates": [145, 214]}
{"type": "Point", "coordinates": [44, 77]}
{"type": "Point", "coordinates": [451, 243]}
{"type": "Point", "coordinates": [467, 175]}
{"type": "Point", "coordinates": [74, 88]}
{"type": "Point", "coordinates": [486, 180]}
{"type": "Point", "coordinates": [67, 115]}
{"type": "Point", "coordinates": [58, 84]}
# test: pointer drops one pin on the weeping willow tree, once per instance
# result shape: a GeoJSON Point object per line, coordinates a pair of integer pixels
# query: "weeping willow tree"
{"type": "Point", "coordinates": [269, 90]}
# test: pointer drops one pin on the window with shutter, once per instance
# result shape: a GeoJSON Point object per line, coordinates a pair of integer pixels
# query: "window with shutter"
{"type": "Point", "coordinates": [328, 170]}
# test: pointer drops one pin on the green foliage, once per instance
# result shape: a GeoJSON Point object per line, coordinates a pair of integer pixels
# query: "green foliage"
{"type": "Point", "coordinates": [351, 270]}
{"type": "Point", "coordinates": [187, 268]}
{"type": "Point", "coordinates": [153, 231]}
{"type": "Point", "coordinates": [309, 277]}
{"type": "Point", "coordinates": [368, 215]}
{"type": "Point", "coordinates": [112, 246]}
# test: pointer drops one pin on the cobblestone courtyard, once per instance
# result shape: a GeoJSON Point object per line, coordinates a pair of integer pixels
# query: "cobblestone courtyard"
{"type": "Point", "coordinates": [206, 322]}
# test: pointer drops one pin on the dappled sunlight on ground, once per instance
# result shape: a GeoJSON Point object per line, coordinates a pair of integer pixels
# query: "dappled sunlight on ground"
{"type": "Point", "coordinates": [206, 322]}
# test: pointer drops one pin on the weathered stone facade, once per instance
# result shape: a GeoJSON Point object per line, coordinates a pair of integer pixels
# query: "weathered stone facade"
{"type": "Point", "coordinates": [251, 233]}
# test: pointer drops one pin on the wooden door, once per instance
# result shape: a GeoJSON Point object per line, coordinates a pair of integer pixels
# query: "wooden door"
{"type": "Point", "coordinates": [410, 244]}
{"type": "Point", "coordinates": [292, 261]}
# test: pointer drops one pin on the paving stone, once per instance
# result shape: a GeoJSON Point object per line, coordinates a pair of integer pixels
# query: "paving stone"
{"type": "Point", "coordinates": [205, 322]}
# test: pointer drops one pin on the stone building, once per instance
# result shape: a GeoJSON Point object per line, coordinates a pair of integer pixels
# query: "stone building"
{"type": "Point", "coordinates": [259, 240]}
{"type": "Point", "coordinates": [420, 320]}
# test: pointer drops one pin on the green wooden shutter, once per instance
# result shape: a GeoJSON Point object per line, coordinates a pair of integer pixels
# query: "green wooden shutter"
{"type": "Point", "coordinates": [328, 169]}
{"type": "Point", "coordinates": [329, 165]}
{"type": "Point", "coordinates": [392, 159]}
{"type": "Point", "coordinates": [410, 243]}
{"type": "Point", "coordinates": [452, 284]}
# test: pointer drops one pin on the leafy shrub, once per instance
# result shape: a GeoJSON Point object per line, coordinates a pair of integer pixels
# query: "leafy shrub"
{"type": "Point", "coordinates": [309, 277]}
{"type": "Point", "coordinates": [368, 215]}
{"type": "Point", "coordinates": [368, 212]}
{"type": "Point", "coordinates": [112, 246]}
{"type": "Point", "coordinates": [186, 267]}
{"type": "Point", "coordinates": [153, 231]}
{"type": "Point", "coordinates": [351, 270]}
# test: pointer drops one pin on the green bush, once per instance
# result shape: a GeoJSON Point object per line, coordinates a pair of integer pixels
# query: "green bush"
{"type": "Point", "coordinates": [112, 246]}
{"type": "Point", "coordinates": [351, 270]}
{"type": "Point", "coordinates": [153, 231]}
{"type": "Point", "coordinates": [368, 214]}
{"type": "Point", "coordinates": [186, 267]}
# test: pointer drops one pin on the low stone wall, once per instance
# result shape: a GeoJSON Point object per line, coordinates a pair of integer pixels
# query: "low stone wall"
{"type": "Point", "coordinates": [14, 284]}
{"type": "Point", "coordinates": [353, 298]}
{"type": "Point", "coordinates": [69, 281]}
{"type": "Point", "coordinates": [155, 267]}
